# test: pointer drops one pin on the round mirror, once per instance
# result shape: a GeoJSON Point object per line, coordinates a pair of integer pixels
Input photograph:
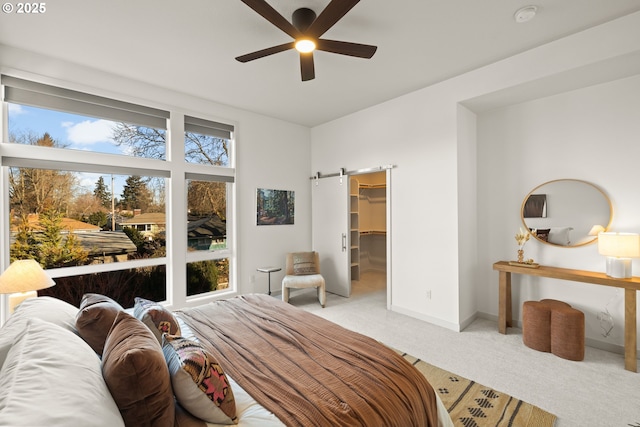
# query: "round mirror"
{"type": "Point", "coordinates": [566, 212]}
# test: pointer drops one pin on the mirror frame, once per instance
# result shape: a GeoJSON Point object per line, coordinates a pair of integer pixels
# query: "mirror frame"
{"type": "Point", "coordinates": [593, 186]}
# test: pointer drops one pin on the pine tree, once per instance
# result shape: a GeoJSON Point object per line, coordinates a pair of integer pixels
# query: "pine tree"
{"type": "Point", "coordinates": [24, 245]}
{"type": "Point", "coordinates": [102, 193]}
{"type": "Point", "coordinates": [135, 194]}
{"type": "Point", "coordinates": [54, 250]}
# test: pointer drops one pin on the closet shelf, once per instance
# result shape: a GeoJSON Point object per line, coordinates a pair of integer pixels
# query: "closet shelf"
{"type": "Point", "coordinates": [363, 185]}
{"type": "Point", "coordinates": [379, 232]}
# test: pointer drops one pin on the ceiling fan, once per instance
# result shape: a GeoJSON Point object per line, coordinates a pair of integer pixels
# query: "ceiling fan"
{"type": "Point", "coordinates": [306, 30]}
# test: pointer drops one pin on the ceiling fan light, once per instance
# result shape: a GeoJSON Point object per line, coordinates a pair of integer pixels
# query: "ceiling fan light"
{"type": "Point", "coordinates": [305, 46]}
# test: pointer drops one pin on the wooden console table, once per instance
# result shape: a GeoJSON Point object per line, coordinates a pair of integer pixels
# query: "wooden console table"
{"type": "Point", "coordinates": [630, 286]}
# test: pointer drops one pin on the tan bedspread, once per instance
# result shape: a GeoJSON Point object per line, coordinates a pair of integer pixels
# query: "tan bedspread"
{"type": "Point", "coordinates": [309, 371]}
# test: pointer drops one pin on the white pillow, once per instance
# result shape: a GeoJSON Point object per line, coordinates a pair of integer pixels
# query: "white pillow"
{"type": "Point", "coordinates": [51, 377]}
{"type": "Point", "coordinates": [50, 309]}
{"type": "Point", "coordinates": [560, 235]}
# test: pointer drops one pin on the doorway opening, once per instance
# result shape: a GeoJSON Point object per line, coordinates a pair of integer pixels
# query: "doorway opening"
{"type": "Point", "coordinates": [368, 234]}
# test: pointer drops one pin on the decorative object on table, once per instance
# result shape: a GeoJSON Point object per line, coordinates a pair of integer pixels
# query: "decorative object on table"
{"type": "Point", "coordinates": [619, 248]}
{"type": "Point", "coordinates": [22, 280]}
{"type": "Point", "coordinates": [269, 270]}
{"type": "Point", "coordinates": [275, 207]}
{"type": "Point", "coordinates": [522, 237]}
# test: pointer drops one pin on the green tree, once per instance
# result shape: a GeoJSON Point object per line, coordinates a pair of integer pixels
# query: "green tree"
{"type": "Point", "coordinates": [135, 194]}
{"type": "Point", "coordinates": [53, 250]}
{"type": "Point", "coordinates": [98, 218]}
{"type": "Point", "coordinates": [136, 237]}
{"type": "Point", "coordinates": [102, 193]}
{"type": "Point", "coordinates": [24, 245]}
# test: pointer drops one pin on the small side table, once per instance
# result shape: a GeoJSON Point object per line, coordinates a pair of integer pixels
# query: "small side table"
{"type": "Point", "coordinates": [269, 270]}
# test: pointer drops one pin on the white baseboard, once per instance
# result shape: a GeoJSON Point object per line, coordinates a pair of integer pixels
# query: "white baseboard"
{"type": "Point", "coordinates": [433, 320]}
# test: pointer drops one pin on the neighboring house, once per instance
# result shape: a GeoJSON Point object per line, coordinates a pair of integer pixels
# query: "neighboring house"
{"type": "Point", "coordinates": [103, 246]}
{"type": "Point", "coordinates": [149, 224]}
{"type": "Point", "coordinates": [68, 225]}
{"type": "Point", "coordinates": [207, 233]}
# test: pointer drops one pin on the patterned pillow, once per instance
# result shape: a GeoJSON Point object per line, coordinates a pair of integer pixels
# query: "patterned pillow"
{"type": "Point", "coordinates": [304, 263]}
{"type": "Point", "coordinates": [94, 320]}
{"type": "Point", "coordinates": [199, 384]}
{"type": "Point", "coordinates": [134, 368]}
{"type": "Point", "coordinates": [156, 317]}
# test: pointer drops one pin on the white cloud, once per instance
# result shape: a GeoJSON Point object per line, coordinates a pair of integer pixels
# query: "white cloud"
{"type": "Point", "coordinates": [89, 131]}
{"type": "Point", "coordinates": [15, 109]}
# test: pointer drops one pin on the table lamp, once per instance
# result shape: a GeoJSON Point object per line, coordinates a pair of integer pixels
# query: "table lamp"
{"type": "Point", "coordinates": [619, 248]}
{"type": "Point", "coordinates": [22, 280]}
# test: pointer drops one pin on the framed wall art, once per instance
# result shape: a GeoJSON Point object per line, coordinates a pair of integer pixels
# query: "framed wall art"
{"type": "Point", "coordinates": [275, 207]}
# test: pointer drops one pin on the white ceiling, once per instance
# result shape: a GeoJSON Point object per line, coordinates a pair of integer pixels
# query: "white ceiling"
{"type": "Point", "coordinates": [190, 46]}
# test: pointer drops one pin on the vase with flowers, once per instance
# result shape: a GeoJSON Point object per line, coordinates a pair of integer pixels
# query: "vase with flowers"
{"type": "Point", "coordinates": [522, 237]}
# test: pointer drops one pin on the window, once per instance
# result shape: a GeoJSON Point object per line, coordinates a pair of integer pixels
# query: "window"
{"type": "Point", "coordinates": [208, 205]}
{"type": "Point", "coordinates": [54, 117]}
{"type": "Point", "coordinates": [88, 181]}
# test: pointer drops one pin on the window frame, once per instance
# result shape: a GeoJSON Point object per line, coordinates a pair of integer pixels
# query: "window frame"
{"type": "Point", "coordinates": [174, 168]}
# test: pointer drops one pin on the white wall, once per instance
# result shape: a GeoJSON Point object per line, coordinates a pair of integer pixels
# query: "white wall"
{"type": "Point", "coordinates": [265, 147]}
{"type": "Point", "coordinates": [431, 139]}
{"type": "Point", "coordinates": [590, 134]}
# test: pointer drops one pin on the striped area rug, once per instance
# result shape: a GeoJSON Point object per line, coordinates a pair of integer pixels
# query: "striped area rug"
{"type": "Point", "coordinates": [473, 405]}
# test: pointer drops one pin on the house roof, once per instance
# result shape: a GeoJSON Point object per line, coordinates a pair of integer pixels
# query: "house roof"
{"type": "Point", "coordinates": [419, 43]}
{"type": "Point", "coordinates": [211, 227]}
{"type": "Point", "coordinates": [106, 242]}
{"type": "Point", "coordinates": [157, 218]}
{"type": "Point", "coordinates": [68, 224]}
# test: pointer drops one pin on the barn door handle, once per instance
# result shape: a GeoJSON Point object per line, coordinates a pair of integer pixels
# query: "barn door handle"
{"type": "Point", "coordinates": [344, 242]}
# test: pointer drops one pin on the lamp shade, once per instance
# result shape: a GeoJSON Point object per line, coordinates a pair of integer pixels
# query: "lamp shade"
{"type": "Point", "coordinates": [619, 245]}
{"type": "Point", "coordinates": [23, 276]}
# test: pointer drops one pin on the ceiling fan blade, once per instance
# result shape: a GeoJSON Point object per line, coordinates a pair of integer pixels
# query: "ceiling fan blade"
{"type": "Point", "coordinates": [329, 16]}
{"type": "Point", "coordinates": [346, 48]}
{"type": "Point", "coordinates": [265, 52]}
{"type": "Point", "coordinates": [306, 66]}
{"type": "Point", "coordinates": [270, 14]}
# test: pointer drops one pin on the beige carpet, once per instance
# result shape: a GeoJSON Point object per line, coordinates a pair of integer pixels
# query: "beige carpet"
{"type": "Point", "coordinates": [473, 405]}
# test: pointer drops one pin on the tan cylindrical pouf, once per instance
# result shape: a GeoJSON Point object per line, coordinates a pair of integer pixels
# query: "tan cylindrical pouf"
{"type": "Point", "coordinates": [536, 325]}
{"type": "Point", "coordinates": [567, 333]}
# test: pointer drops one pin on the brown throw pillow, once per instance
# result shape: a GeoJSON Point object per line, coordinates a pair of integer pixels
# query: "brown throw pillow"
{"type": "Point", "coordinates": [94, 320]}
{"type": "Point", "coordinates": [134, 368]}
{"type": "Point", "coordinates": [156, 317]}
{"type": "Point", "coordinates": [304, 263]}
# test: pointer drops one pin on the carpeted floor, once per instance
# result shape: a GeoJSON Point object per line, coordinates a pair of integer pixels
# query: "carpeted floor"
{"type": "Point", "coordinates": [596, 392]}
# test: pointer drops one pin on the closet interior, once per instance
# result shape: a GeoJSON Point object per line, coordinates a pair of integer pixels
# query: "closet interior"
{"type": "Point", "coordinates": [368, 227]}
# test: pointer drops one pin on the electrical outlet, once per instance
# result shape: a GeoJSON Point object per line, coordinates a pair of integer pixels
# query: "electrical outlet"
{"type": "Point", "coordinates": [253, 278]}
{"type": "Point", "coordinates": [429, 294]}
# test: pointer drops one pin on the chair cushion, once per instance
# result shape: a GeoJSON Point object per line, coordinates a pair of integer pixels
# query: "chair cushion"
{"type": "Point", "coordinates": [304, 263]}
{"type": "Point", "coordinates": [304, 281]}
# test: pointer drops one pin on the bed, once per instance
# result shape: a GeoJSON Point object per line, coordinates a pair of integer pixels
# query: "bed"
{"type": "Point", "coordinates": [249, 361]}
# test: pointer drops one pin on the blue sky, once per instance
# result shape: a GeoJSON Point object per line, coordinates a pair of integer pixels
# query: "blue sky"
{"type": "Point", "coordinates": [71, 130]}
{"type": "Point", "coordinates": [75, 131]}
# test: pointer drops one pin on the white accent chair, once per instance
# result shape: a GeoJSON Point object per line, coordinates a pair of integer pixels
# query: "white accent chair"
{"type": "Point", "coordinates": [303, 271]}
